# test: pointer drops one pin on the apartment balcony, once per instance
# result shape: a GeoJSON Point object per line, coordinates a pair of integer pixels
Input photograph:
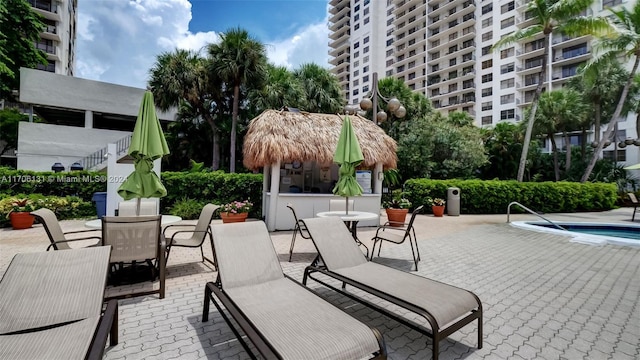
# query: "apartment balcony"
{"type": "Point", "coordinates": [442, 8]}
{"type": "Point", "coordinates": [51, 33]}
{"type": "Point", "coordinates": [339, 13]}
{"type": "Point", "coordinates": [336, 3]}
{"type": "Point", "coordinates": [343, 22]}
{"type": "Point", "coordinates": [525, 21]}
{"type": "Point", "coordinates": [48, 14]}
{"type": "Point", "coordinates": [572, 57]}
{"type": "Point", "coordinates": [406, 6]}
{"type": "Point", "coordinates": [339, 53]}
{"type": "Point", "coordinates": [529, 53]}
{"type": "Point", "coordinates": [339, 45]}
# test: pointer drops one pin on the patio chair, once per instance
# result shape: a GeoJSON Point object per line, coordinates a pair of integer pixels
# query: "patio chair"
{"type": "Point", "coordinates": [128, 208]}
{"type": "Point", "coordinates": [57, 237]}
{"type": "Point", "coordinates": [134, 239]}
{"type": "Point", "coordinates": [398, 235]}
{"type": "Point", "coordinates": [199, 232]}
{"type": "Point", "coordinates": [52, 306]}
{"type": "Point", "coordinates": [444, 307]}
{"type": "Point", "coordinates": [634, 201]}
{"type": "Point", "coordinates": [298, 228]}
{"type": "Point", "coordinates": [282, 319]}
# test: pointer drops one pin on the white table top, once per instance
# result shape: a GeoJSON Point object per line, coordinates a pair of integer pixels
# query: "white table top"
{"type": "Point", "coordinates": [351, 216]}
{"type": "Point", "coordinates": [166, 220]}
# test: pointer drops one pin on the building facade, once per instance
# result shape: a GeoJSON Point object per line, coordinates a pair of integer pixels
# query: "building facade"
{"type": "Point", "coordinates": [442, 48]}
{"type": "Point", "coordinates": [59, 36]}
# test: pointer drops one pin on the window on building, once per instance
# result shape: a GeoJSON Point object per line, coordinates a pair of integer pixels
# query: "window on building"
{"type": "Point", "coordinates": [507, 68]}
{"type": "Point", "coordinates": [507, 99]}
{"type": "Point", "coordinates": [508, 114]}
{"type": "Point", "coordinates": [508, 83]}
{"type": "Point", "coordinates": [411, 64]}
{"type": "Point", "coordinates": [435, 43]}
{"type": "Point", "coordinates": [507, 22]}
{"type": "Point", "coordinates": [356, 73]}
{"type": "Point", "coordinates": [435, 92]}
{"type": "Point", "coordinates": [356, 63]}
{"type": "Point", "coordinates": [487, 22]}
{"type": "Point", "coordinates": [487, 92]}
{"type": "Point", "coordinates": [487, 120]}
{"type": "Point", "coordinates": [507, 7]}
{"type": "Point", "coordinates": [365, 59]}
{"type": "Point", "coordinates": [365, 40]}
{"type": "Point", "coordinates": [611, 3]}
{"type": "Point", "coordinates": [507, 53]}
{"type": "Point", "coordinates": [365, 79]}
{"type": "Point", "coordinates": [366, 21]}
{"type": "Point", "coordinates": [356, 82]}
{"type": "Point", "coordinates": [487, 106]}
{"type": "Point", "coordinates": [487, 64]}
{"type": "Point", "coordinates": [356, 92]}
{"type": "Point", "coordinates": [365, 69]}
{"type": "Point", "coordinates": [486, 50]}
{"type": "Point", "coordinates": [487, 8]}
{"type": "Point", "coordinates": [365, 11]}
{"type": "Point", "coordinates": [356, 54]}
{"type": "Point", "coordinates": [487, 36]}
{"type": "Point", "coordinates": [356, 17]}
{"type": "Point", "coordinates": [412, 76]}
{"type": "Point", "coordinates": [453, 49]}
{"type": "Point", "coordinates": [356, 45]}
{"type": "Point", "coordinates": [487, 78]}
{"type": "Point", "coordinates": [452, 62]}
{"type": "Point", "coordinates": [365, 50]}
{"type": "Point", "coordinates": [356, 27]}
{"type": "Point", "coordinates": [435, 68]}
{"type": "Point", "coordinates": [390, 42]}
{"type": "Point", "coordinates": [365, 88]}
{"type": "Point", "coordinates": [611, 155]}
{"type": "Point", "coordinates": [453, 87]}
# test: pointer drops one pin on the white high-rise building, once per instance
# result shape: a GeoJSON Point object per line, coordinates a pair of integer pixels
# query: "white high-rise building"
{"type": "Point", "coordinates": [59, 37]}
{"type": "Point", "coordinates": [442, 48]}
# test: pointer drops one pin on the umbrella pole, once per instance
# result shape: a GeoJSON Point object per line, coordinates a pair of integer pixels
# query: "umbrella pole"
{"type": "Point", "coordinates": [138, 207]}
{"type": "Point", "coordinates": [347, 204]}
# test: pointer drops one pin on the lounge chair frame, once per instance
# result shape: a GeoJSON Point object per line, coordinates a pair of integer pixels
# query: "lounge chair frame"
{"type": "Point", "coordinates": [436, 334]}
{"type": "Point", "coordinates": [636, 203]}
{"type": "Point", "coordinates": [259, 340]}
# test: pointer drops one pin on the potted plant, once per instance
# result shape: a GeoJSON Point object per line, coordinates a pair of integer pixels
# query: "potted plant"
{"type": "Point", "coordinates": [20, 213]}
{"type": "Point", "coordinates": [437, 206]}
{"type": "Point", "coordinates": [235, 211]}
{"type": "Point", "coordinates": [397, 209]}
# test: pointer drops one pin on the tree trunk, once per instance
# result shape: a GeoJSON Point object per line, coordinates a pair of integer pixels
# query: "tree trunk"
{"type": "Point", "coordinates": [234, 124]}
{"type": "Point", "coordinates": [596, 126]}
{"type": "Point", "coordinates": [215, 148]}
{"type": "Point", "coordinates": [554, 149]}
{"type": "Point", "coordinates": [638, 126]}
{"type": "Point", "coordinates": [613, 122]}
{"type": "Point", "coordinates": [567, 164]}
{"type": "Point", "coordinates": [534, 108]}
{"type": "Point", "coordinates": [583, 143]}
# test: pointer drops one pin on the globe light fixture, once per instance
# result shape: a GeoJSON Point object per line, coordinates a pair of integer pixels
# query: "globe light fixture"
{"type": "Point", "coordinates": [394, 106]}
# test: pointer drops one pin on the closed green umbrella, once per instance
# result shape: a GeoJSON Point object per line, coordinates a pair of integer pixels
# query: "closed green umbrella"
{"type": "Point", "coordinates": [348, 155]}
{"type": "Point", "coordinates": [632, 167]}
{"type": "Point", "coordinates": [147, 144]}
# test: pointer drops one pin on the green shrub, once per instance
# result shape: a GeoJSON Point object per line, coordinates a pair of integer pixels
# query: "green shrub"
{"type": "Point", "coordinates": [187, 209]}
{"type": "Point", "coordinates": [68, 207]}
{"type": "Point", "coordinates": [493, 196]}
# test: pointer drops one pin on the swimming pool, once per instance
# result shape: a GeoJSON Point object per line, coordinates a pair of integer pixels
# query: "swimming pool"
{"type": "Point", "coordinates": [589, 233]}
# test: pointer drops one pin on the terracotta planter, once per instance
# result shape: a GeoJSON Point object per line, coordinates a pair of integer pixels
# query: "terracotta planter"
{"type": "Point", "coordinates": [437, 210]}
{"type": "Point", "coordinates": [21, 220]}
{"type": "Point", "coordinates": [232, 218]}
{"type": "Point", "coordinates": [396, 217]}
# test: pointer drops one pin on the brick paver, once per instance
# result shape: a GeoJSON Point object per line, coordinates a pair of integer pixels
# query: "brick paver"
{"type": "Point", "coordinates": [544, 297]}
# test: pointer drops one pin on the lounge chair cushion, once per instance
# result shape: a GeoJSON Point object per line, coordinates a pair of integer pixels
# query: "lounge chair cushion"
{"type": "Point", "coordinates": [301, 325]}
{"type": "Point", "coordinates": [259, 262]}
{"type": "Point", "coordinates": [444, 302]}
{"type": "Point", "coordinates": [70, 288]}
{"type": "Point", "coordinates": [337, 253]}
{"type": "Point", "coordinates": [70, 341]}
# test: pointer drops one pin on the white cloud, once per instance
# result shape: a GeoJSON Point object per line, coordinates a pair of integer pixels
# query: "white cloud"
{"type": "Point", "coordinates": [307, 46]}
{"type": "Point", "coordinates": [118, 41]}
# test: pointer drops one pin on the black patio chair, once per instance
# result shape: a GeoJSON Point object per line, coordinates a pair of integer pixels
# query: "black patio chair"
{"type": "Point", "coordinates": [397, 235]}
{"type": "Point", "coordinates": [298, 228]}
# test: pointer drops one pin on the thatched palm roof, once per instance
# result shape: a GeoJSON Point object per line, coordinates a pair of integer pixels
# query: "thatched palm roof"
{"type": "Point", "coordinates": [289, 136]}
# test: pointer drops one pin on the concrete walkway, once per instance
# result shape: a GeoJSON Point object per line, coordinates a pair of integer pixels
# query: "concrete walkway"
{"type": "Point", "coordinates": [544, 297]}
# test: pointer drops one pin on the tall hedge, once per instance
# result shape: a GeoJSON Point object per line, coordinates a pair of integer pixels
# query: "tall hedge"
{"type": "Point", "coordinates": [493, 196]}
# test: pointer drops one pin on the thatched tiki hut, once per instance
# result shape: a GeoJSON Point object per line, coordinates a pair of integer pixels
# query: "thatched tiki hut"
{"type": "Point", "coordinates": [295, 150]}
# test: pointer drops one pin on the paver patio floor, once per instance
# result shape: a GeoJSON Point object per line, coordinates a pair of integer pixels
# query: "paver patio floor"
{"type": "Point", "coordinates": [544, 297]}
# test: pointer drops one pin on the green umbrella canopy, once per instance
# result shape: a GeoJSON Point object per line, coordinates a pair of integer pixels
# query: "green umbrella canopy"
{"type": "Point", "coordinates": [147, 144]}
{"type": "Point", "coordinates": [348, 155]}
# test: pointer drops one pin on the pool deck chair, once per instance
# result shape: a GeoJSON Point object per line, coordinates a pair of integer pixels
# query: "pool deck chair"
{"type": "Point", "coordinates": [52, 306]}
{"type": "Point", "coordinates": [58, 238]}
{"type": "Point", "coordinates": [298, 228]}
{"type": "Point", "coordinates": [445, 308]}
{"type": "Point", "coordinates": [634, 201]}
{"type": "Point", "coordinates": [282, 319]}
{"type": "Point", "coordinates": [199, 233]}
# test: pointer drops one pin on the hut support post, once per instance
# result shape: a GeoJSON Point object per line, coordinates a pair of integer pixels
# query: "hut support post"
{"type": "Point", "coordinates": [265, 190]}
{"type": "Point", "coordinates": [273, 200]}
{"type": "Point", "coordinates": [378, 175]}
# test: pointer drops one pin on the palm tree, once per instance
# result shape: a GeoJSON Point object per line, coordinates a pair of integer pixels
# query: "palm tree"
{"type": "Point", "coordinates": [241, 61]}
{"type": "Point", "coordinates": [322, 89]}
{"type": "Point", "coordinates": [551, 16]}
{"type": "Point", "coordinates": [280, 89]}
{"type": "Point", "coordinates": [559, 111]}
{"type": "Point", "coordinates": [625, 40]}
{"type": "Point", "coordinates": [182, 76]}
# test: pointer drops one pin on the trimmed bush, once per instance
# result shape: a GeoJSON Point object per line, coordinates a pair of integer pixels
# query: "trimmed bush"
{"type": "Point", "coordinates": [493, 196]}
{"type": "Point", "coordinates": [69, 207]}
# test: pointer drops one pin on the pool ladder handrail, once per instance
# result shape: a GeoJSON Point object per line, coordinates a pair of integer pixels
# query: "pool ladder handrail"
{"type": "Point", "coordinates": [532, 212]}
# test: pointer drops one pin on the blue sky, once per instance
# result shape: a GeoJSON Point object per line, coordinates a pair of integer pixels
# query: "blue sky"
{"type": "Point", "coordinates": [118, 41]}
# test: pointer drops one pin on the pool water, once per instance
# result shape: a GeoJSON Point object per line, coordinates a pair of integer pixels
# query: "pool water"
{"type": "Point", "coordinates": [589, 233]}
{"type": "Point", "coordinates": [627, 232]}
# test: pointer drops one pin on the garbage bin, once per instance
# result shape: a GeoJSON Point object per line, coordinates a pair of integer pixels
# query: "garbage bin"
{"type": "Point", "coordinates": [100, 199]}
{"type": "Point", "coordinates": [453, 201]}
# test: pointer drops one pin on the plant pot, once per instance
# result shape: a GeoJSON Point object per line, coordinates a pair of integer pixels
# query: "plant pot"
{"type": "Point", "coordinates": [233, 218]}
{"type": "Point", "coordinates": [21, 220]}
{"type": "Point", "coordinates": [438, 211]}
{"type": "Point", "coordinates": [396, 217]}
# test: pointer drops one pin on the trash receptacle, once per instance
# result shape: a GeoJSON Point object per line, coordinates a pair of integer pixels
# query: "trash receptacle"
{"type": "Point", "coordinates": [453, 201]}
{"type": "Point", "coordinates": [100, 199]}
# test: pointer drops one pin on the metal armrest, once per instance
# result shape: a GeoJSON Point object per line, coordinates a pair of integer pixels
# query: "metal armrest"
{"type": "Point", "coordinates": [174, 225]}
{"type": "Point", "coordinates": [185, 231]}
{"type": "Point", "coordinates": [80, 231]}
{"type": "Point", "coordinates": [71, 240]}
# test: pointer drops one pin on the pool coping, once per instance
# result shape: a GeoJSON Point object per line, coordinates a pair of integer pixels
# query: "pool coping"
{"type": "Point", "coordinates": [596, 240]}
